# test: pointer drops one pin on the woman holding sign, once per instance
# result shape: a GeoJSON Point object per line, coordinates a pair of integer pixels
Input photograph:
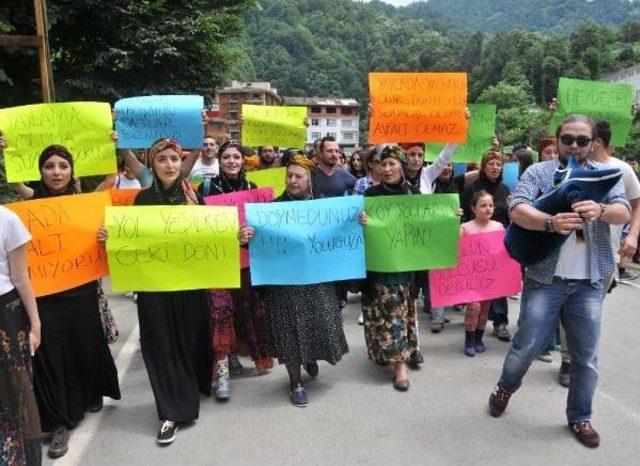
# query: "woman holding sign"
{"type": "Point", "coordinates": [174, 326]}
{"type": "Point", "coordinates": [390, 324]}
{"type": "Point", "coordinates": [237, 316]}
{"type": "Point", "coordinates": [73, 369]}
{"type": "Point", "coordinates": [304, 322]}
{"type": "Point", "coordinates": [19, 338]}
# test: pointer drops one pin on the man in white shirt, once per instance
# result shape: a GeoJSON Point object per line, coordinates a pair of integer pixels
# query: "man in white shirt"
{"type": "Point", "coordinates": [207, 164]}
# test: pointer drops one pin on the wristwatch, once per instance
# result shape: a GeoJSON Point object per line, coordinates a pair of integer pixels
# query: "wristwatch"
{"type": "Point", "coordinates": [548, 225]}
{"type": "Point", "coordinates": [603, 207]}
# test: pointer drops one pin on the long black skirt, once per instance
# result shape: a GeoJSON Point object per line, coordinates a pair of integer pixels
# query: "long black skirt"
{"type": "Point", "coordinates": [304, 324]}
{"type": "Point", "coordinates": [176, 347]}
{"type": "Point", "coordinates": [73, 368]}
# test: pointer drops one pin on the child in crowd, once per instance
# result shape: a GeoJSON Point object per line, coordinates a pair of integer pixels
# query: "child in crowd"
{"type": "Point", "coordinates": [482, 207]}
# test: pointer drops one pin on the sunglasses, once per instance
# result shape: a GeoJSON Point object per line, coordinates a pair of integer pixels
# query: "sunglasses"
{"type": "Point", "coordinates": [581, 141]}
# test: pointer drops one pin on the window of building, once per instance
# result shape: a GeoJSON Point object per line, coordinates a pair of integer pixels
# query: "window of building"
{"type": "Point", "coordinates": [234, 135]}
{"type": "Point", "coordinates": [316, 110]}
{"type": "Point", "coordinates": [315, 136]}
{"type": "Point", "coordinates": [315, 122]}
{"type": "Point", "coordinates": [256, 97]}
{"type": "Point", "coordinates": [332, 134]}
{"type": "Point", "coordinates": [331, 122]}
{"type": "Point", "coordinates": [346, 111]}
{"type": "Point", "coordinates": [346, 123]}
{"type": "Point", "coordinates": [348, 136]}
{"type": "Point", "coordinates": [233, 105]}
{"type": "Point", "coordinates": [331, 110]}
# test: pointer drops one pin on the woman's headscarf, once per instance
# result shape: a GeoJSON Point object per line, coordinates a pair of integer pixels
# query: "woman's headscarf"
{"type": "Point", "coordinates": [241, 183]}
{"type": "Point", "coordinates": [181, 186]}
{"type": "Point", "coordinates": [396, 152]}
{"type": "Point", "coordinates": [42, 190]}
{"type": "Point", "coordinates": [299, 159]}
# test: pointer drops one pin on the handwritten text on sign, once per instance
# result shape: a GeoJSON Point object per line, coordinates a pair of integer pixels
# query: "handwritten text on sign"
{"type": "Point", "coordinates": [407, 233]}
{"type": "Point", "coordinates": [305, 242]}
{"type": "Point", "coordinates": [610, 102]}
{"type": "Point", "coordinates": [273, 125]}
{"type": "Point", "coordinates": [142, 120]}
{"type": "Point", "coordinates": [484, 271]}
{"type": "Point", "coordinates": [64, 251]}
{"type": "Point", "coordinates": [170, 248]}
{"type": "Point", "coordinates": [482, 126]}
{"type": "Point", "coordinates": [82, 127]}
{"type": "Point", "coordinates": [418, 107]}
{"type": "Point", "coordinates": [239, 199]}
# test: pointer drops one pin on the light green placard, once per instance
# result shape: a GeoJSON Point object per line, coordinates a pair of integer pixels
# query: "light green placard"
{"type": "Point", "coordinates": [84, 128]}
{"type": "Point", "coordinates": [605, 101]}
{"type": "Point", "coordinates": [416, 232]}
{"type": "Point", "coordinates": [270, 178]}
{"type": "Point", "coordinates": [482, 127]}
{"type": "Point", "coordinates": [265, 125]}
{"type": "Point", "coordinates": [172, 248]}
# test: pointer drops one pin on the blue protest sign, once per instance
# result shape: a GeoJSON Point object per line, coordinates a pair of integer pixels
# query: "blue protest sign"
{"type": "Point", "coordinates": [142, 120]}
{"type": "Point", "coordinates": [510, 174]}
{"type": "Point", "coordinates": [306, 242]}
{"type": "Point", "coordinates": [459, 169]}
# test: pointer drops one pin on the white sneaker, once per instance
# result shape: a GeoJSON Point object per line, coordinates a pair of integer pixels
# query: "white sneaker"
{"type": "Point", "coordinates": [361, 319]}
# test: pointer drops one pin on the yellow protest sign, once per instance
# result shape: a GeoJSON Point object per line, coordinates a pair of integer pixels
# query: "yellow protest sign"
{"type": "Point", "coordinates": [64, 251]}
{"type": "Point", "coordinates": [82, 127]}
{"type": "Point", "coordinates": [172, 248]}
{"type": "Point", "coordinates": [273, 125]}
{"type": "Point", "coordinates": [270, 178]}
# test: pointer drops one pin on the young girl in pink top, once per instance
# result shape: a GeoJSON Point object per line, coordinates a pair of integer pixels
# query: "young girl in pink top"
{"type": "Point", "coordinates": [477, 313]}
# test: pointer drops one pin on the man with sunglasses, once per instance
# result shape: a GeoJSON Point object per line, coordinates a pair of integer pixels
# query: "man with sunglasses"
{"type": "Point", "coordinates": [567, 285]}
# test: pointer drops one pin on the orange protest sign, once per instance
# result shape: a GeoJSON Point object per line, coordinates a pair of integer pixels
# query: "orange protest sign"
{"type": "Point", "coordinates": [123, 197]}
{"type": "Point", "coordinates": [64, 251]}
{"type": "Point", "coordinates": [418, 107]}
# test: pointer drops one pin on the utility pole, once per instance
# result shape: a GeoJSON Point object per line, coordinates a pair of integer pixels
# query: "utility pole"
{"type": "Point", "coordinates": [41, 41]}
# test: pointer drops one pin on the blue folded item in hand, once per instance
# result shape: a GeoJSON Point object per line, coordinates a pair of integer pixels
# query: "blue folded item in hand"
{"type": "Point", "coordinates": [571, 185]}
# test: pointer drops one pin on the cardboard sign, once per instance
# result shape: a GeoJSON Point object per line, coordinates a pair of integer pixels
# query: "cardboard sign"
{"type": "Point", "coordinates": [418, 107]}
{"type": "Point", "coordinates": [485, 271]}
{"type": "Point", "coordinates": [273, 125]}
{"type": "Point", "coordinates": [64, 251]}
{"type": "Point", "coordinates": [83, 128]}
{"type": "Point", "coordinates": [172, 248]}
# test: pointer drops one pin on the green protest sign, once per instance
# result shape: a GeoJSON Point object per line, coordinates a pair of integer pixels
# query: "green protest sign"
{"type": "Point", "coordinates": [82, 127]}
{"type": "Point", "coordinates": [416, 232]}
{"type": "Point", "coordinates": [169, 248]}
{"type": "Point", "coordinates": [605, 101]}
{"type": "Point", "coordinates": [273, 125]}
{"type": "Point", "coordinates": [482, 127]}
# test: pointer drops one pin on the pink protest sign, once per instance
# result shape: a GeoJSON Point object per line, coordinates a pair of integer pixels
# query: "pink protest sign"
{"type": "Point", "coordinates": [239, 199]}
{"type": "Point", "coordinates": [485, 271]}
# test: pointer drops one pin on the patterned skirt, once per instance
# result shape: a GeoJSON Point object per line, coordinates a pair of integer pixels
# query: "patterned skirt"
{"type": "Point", "coordinates": [390, 325]}
{"type": "Point", "coordinates": [19, 419]}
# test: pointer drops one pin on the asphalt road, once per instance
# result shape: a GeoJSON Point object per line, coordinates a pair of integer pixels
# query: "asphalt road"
{"type": "Point", "coordinates": [356, 417]}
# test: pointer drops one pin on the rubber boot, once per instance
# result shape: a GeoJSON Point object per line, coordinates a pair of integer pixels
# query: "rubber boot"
{"type": "Point", "coordinates": [470, 343]}
{"type": "Point", "coordinates": [480, 348]}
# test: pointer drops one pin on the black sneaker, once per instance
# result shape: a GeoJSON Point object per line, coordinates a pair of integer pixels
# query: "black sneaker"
{"type": "Point", "coordinates": [167, 432]}
{"type": "Point", "coordinates": [585, 433]}
{"type": "Point", "coordinates": [563, 377]}
{"type": "Point", "coordinates": [415, 360]}
{"type": "Point", "coordinates": [235, 368]}
{"type": "Point", "coordinates": [59, 443]}
{"type": "Point", "coordinates": [312, 369]}
{"type": "Point", "coordinates": [97, 406]}
{"type": "Point", "coordinates": [498, 401]}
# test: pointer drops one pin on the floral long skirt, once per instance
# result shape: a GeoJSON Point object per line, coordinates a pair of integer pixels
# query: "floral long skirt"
{"type": "Point", "coordinates": [19, 419]}
{"type": "Point", "coordinates": [390, 325]}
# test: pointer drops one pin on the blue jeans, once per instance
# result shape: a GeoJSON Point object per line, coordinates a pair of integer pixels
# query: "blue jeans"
{"type": "Point", "coordinates": [578, 303]}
